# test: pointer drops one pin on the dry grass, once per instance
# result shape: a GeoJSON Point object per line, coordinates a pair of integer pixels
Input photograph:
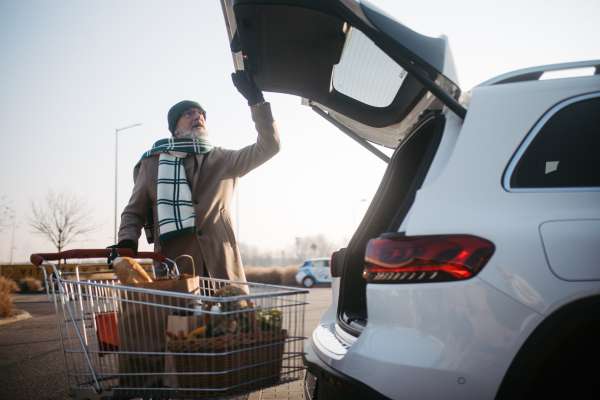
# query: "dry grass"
{"type": "Point", "coordinates": [8, 285]}
{"type": "Point", "coordinates": [285, 276]}
{"type": "Point", "coordinates": [7, 288]}
{"type": "Point", "coordinates": [30, 284]}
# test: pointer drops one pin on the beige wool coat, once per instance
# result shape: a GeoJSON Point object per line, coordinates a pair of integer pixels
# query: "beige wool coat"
{"type": "Point", "coordinates": [212, 184]}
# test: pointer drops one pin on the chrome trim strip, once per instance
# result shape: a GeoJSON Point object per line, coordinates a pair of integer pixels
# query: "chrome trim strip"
{"type": "Point", "coordinates": [517, 157]}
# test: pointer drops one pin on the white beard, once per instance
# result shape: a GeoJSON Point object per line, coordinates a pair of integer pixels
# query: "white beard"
{"type": "Point", "coordinates": [199, 134]}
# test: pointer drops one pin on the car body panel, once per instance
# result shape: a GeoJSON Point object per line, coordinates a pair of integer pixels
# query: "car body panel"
{"type": "Point", "coordinates": [488, 139]}
{"type": "Point", "coordinates": [424, 338]}
{"type": "Point", "coordinates": [513, 293]}
{"type": "Point", "coordinates": [572, 248]}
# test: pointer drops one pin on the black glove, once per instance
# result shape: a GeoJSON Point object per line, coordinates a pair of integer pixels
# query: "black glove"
{"type": "Point", "coordinates": [123, 244]}
{"type": "Point", "coordinates": [244, 82]}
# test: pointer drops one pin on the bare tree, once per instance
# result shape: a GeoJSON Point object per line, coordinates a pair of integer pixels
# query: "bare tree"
{"type": "Point", "coordinates": [314, 246]}
{"type": "Point", "coordinates": [61, 217]}
{"type": "Point", "coordinates": [5, 213]}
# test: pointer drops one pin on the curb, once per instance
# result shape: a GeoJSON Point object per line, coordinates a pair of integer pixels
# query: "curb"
{"type": "Point", "coordinates": [30, 293]}
{"type": "Point", "coordinates": [16, 315]}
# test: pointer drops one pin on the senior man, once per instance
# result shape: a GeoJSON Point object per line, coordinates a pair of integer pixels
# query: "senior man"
{"type": "Point", "coordinates": [184, 187]}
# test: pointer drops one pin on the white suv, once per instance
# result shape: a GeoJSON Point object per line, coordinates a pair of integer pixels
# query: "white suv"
{"type": "Point", "coordinates": [475, 272]}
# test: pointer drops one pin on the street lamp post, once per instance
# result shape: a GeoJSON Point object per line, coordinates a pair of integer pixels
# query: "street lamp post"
{"type": "Point", "coordinates": [12, 242]}
{"type": "Point", "coordinates": [116, 166]}
{"type": "Point", "coordinates": [354, 212]}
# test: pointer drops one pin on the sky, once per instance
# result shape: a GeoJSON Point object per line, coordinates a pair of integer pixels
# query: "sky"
{"type": "Point", "coordinates": [72, 72]}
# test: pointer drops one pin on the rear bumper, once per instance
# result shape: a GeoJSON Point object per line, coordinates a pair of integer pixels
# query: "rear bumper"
{"type": "Point", "coordinates": [325, 383]}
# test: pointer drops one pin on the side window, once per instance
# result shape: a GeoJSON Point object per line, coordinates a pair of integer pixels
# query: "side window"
{"type": "Point", "coordinates": [319, 263]}
{"type": "Point", "coordinates": [565, 151]}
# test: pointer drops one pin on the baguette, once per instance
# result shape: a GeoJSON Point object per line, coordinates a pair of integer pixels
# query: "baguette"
{"type": "Point", "coordinates": [129, 271]}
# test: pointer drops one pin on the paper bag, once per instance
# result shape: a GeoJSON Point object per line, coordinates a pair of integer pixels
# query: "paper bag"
{"type": "Point", "coordinates": [141, 330]}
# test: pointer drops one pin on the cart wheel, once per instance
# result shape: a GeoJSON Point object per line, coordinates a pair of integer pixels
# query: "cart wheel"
{"type": "Point", "coordinates": [308, 282]}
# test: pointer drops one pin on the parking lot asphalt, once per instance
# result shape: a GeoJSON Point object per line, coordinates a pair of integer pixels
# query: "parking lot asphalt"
{"type": "Point", "coordinates": [32, 364]}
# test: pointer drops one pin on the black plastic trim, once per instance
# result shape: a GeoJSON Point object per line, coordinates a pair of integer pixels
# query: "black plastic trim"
{"type": "Point", "coordinates": [317, 367]}
{"type": "Point", "coordinates": [337, 259]}
{"type": "Point", "coordinates": [393, 235]}
{"type": "Point", "coordinates": [236, 44]}
{"type": "Point", "coordinates": [439, 122]}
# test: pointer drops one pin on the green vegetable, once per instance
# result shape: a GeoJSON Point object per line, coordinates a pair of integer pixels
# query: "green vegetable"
{"type": "Point", "coordinates": [244, 322]}
{"type": "Point", "coordinates": [269, 320]}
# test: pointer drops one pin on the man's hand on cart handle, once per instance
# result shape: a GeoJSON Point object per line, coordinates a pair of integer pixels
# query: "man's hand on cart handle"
{"type": "Point", "coordinates": [123, 244]}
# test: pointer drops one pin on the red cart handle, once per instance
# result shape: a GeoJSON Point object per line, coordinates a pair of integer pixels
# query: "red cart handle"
{"type": "Point", "coordinates": [37, 259]}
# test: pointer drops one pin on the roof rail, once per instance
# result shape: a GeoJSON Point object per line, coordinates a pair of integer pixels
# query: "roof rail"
{"type": "Point", "coordinates": [534, 73]}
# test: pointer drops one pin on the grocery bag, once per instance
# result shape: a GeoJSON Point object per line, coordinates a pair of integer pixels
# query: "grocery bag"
{"type": "Point", "coordinates": [141, 329]}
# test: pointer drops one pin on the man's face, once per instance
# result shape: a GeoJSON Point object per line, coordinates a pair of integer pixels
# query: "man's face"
{"type": "Point", "coordinates": [191, 124]}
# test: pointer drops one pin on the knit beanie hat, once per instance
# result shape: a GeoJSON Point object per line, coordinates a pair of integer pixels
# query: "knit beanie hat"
{"type": "Point", "coordinates": [177, 109]}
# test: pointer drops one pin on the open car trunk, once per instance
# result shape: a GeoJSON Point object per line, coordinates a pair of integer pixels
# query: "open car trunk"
{"type": "Point", "coordinates": [368, 74]}
{"type": "Point", "coordinates": [367, 70]}
{"type": "Point", "coordinates": [404, 176]}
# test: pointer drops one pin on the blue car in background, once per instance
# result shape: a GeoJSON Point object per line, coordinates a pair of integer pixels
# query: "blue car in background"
{"type": "Point", "coordinates": [314, 271]}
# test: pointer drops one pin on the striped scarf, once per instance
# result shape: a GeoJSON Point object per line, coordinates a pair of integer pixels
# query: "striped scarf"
{"type": "Point", "coordinates": [174, 198]}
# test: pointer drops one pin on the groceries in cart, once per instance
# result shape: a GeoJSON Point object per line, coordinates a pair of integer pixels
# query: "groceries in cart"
{"type": "Point", "coordinates": [230, 324]}
{"type": "Point", "coordinates": [179, 336]}
{"type": "Point", "coordinates": [237, 346]}
{"type": "Point", "coordinates": [129, 271]}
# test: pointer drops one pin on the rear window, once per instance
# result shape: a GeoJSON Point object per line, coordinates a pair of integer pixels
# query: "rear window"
{"type": "Point", "coordinates": [366, 73]}
{"type": "Point", "coordinates": [565, 151]}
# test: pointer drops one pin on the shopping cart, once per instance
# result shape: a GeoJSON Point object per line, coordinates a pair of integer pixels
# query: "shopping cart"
{"type": "Point", "coordinates": [222, 338]}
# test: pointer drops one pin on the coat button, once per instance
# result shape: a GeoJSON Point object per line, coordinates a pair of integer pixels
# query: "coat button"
{"type": "Point", "coordinates": [195, 201]}
{"type": "Point", "coordinates": [199, 233]}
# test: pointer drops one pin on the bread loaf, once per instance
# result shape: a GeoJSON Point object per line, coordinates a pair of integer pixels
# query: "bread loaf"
{"type": "Point", "coordinates": [129, 271]}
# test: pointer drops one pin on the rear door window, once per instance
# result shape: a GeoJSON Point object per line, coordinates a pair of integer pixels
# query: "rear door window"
{"type": "Point", "coordinates": [563, 150]}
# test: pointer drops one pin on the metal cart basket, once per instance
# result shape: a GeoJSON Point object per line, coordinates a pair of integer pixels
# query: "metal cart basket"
{"type": "Point", "coordinates": [198, 338]}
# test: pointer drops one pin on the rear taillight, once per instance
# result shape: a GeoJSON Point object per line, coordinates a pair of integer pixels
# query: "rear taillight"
{"type": "Point", "coordinates": [334, 264]}
{"type": "Point", "coordinates": [420, 259]}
